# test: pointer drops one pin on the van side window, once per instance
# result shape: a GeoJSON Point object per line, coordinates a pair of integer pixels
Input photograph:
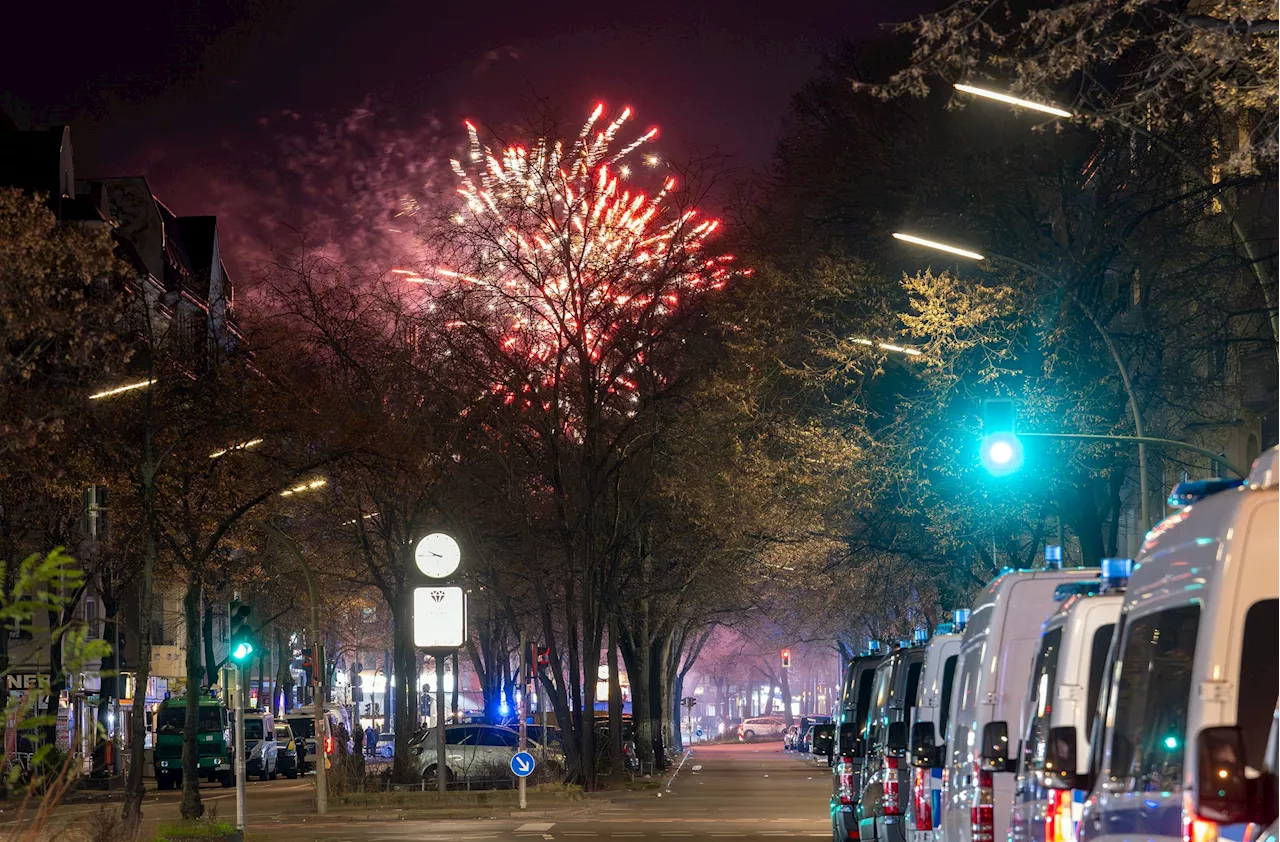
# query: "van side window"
{"type": "Point", "coordinates": [1044, 679]}
{"type": "Point", "coordinates": [1097, 671]}
{"type": "Point", "coordinates": [913, 688]}
{"type": "Point", "coordinates": [970, 670]}
{"type": "Point", "coordinates": [948, 681]}
{"type": "Point", "coordinates": [866, 684]}
{"type": "Point", "coordinates": [1150, 701]}
{"type": "Point", "coordinates": [1259, 677]}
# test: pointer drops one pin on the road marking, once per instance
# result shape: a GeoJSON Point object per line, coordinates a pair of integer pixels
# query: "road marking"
{"type": "Point", "coordinates": [535, 827]}
{"type": "Point", "coordinates": [579, 833]}
{"type": "Point", "coordinates": [676, 833]}
{"type": "Point", "coordinates": [624, 833]}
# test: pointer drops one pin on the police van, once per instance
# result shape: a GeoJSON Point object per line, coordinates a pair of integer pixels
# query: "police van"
{"type": "Point", "coordinates": [929, 720]}
{"type": "Point", "coordinates": [1058, 714]}
{"type": "Point", "coordinates": [885, 779]}
{"type": "Point", "coordinates": [999, 645]}
{"type": "Point", "coordinates": [849, 747]}
{"type": "Point", "coordinates": [1192, 692]}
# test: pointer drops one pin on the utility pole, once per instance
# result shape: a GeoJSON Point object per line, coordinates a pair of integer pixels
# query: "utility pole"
{"type": "Point", "coordinates": [242, 808]}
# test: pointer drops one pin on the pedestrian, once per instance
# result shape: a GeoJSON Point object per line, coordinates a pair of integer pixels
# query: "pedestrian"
{"type": "Point", "coordinates": [371, 740]}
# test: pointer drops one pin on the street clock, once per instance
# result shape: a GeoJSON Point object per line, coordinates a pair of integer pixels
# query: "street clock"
{"type": "Point", "coordinates": [437, 555]}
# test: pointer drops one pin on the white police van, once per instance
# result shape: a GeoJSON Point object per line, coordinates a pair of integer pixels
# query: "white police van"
{"type": "Point", "coordinates": [1193, 688]}
{"type": "Point", "coordinates": [928, 723]}
{"type": "Point", "coordinates": [1058, 714]}
{"type": "Point", "coordinates": [995, 662]}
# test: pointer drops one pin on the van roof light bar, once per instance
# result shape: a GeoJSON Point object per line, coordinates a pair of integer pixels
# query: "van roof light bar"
{"type": "Point", "coordinates": [1192, 491]}
{"type": "Point", "coordinates": [919, 636]}
{"type": "Point", "coordinates": [960, 618]}
{"type": "Point", "coordinates": [1116, 573]}
{"type": "Point", "coordinates": [1069, 589]}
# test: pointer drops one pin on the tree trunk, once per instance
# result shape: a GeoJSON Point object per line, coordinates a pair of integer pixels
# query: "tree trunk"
{"type": "Point", "coordinates": [57, 680]}
{"type": "Point", "coordinates": [406, 689]}
{"type": "Point", "coordinates": [456, 714]}
{"type": "Point", "coordinates": [192, 808]}
{"type": "Point", "coordinates": [210, 659]}
{"type": "Point", "coordinates": [284, 679]}
{"type": "Point", "coordinates": [615, 700]}
{"type": "Point", "coordinates": [786, 696]}
{"type": "Point", "coordinates": [131, 812]}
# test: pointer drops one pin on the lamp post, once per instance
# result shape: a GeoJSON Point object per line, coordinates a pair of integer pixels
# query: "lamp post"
{"type": "Point", "coordinates": [1102, 331]}
{"type": "Point", "coordinates": [1256, 259]}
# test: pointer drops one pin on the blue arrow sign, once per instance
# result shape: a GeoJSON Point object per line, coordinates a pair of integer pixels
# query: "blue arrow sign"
{"type": "Point", "coordinates": [522, 764]}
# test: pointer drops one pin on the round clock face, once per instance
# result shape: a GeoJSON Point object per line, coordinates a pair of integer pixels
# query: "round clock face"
{"type": "Point", "coordinates": [437, 555]}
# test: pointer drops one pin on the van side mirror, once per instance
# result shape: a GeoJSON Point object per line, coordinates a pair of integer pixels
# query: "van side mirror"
{"type": "Point", "coordinates": [1224, 791]}
{"type": "Point", "coordinates": [1060, 758]}
{"type": "Point", "coordinates": [925, 751]}
{"type": "Point", "coordinates": [995, 747]}
{"type": "Point", "coordinates": [895, 741]}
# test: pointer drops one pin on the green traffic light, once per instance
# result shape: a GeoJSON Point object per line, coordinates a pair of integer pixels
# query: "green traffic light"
{"type": "Point", "coordinates": [1001, 453]}
{"type": "Point", "coordinates": [241, 650]}
{"type": "Point", "coordinates": [1171, 743]}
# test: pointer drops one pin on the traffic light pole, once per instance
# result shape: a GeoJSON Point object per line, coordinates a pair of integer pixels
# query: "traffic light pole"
{"type": "Point", "coordinates": [1141, 440]}
{"type": "Point", "coordinates": [242, 808]}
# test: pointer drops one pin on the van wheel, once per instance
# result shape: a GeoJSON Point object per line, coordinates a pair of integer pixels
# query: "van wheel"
{"type": "Point", "coordinates": [227, 779]}
{"type": "Point", "coordinates": [292, 775]}
{"type": "Point", "coordinates": [164, 782]}
{"type": "Point", "coordinates": [273, 774]}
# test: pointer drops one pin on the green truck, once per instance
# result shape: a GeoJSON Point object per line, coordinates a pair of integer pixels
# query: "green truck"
{"type": "Point", "coordinates": [213, 742]}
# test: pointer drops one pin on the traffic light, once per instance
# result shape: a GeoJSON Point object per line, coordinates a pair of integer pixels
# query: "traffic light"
{"type": "Point", "coordinates": [541, 659]}
{"type": "Point", "coordinates": [786, 659]}
{"type": "Point", "coordinates": [1001, 449]}
{"type": "Point", "coordinates": [357, 687]}
{"type": "Point", "coordinates": [240, 649]}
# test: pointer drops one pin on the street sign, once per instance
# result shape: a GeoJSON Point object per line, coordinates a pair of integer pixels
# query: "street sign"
{"type": "Point", "coordinates": [522, 764]}
{"type": "Point", "coordinates": [439, 617]}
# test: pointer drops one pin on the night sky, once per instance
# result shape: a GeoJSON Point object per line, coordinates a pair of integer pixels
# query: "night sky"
{"type": "Point", "coordinates": [198, 95]}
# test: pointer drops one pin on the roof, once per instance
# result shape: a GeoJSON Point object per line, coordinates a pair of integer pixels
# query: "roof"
{"type": "Point", "coordinates": [32, 160]}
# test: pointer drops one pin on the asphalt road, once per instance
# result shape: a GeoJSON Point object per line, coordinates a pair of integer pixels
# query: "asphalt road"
{"type": "Point", "coordinates": [751, 791]}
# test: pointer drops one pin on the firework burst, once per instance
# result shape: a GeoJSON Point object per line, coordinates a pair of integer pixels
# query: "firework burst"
{"type": "Point", "coordinates": [566, 264]}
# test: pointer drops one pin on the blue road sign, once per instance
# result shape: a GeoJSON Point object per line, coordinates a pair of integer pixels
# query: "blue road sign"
{"type": "Point", "coordinates": [522, 764]}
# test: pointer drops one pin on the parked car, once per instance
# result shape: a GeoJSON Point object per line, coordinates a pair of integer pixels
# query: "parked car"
{"type": "Point", "coordinates": [1192, 691]}
{"type": "Point", "coordinates": [885, 777]}
{"type": "Point", "coordinates": [472, 751]}
{"type": "Point", "coordinates": [260, 757]}
{"type": "Point", "coordinates": [761, 726]}
{"type": "Point", "coordinates": [995, 662]}
{"type": "Point", "coordinates": [929, 721]}
{"type": "Point", "coordinates": [385, 747]}
{"type": "Point", "coordinates": [1058, 713]}
{"type": "Point", "coordinates": [849, 747]}
{"type": "Point", "coordinates": [286, 751]}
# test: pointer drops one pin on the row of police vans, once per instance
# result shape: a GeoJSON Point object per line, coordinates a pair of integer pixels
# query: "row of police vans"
{"type": "Point", "coordinates": [1135, 702]}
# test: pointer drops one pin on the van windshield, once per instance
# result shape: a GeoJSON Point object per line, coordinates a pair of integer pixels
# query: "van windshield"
{"type": "Point", "coordinates": [253, 729]}
{"type": "Point", "coordinates": [1044, 678]}
{"type": "Point", "coordinates": [171, 719]}
{"type": "Point", "coordinates": [303, 727]}
{"type": "Point", "coordinates": [1149, 705]}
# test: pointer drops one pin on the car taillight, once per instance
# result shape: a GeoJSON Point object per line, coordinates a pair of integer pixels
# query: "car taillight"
{"type": "Point", "coordinates": [982, 814]}
{"type": "Point", "coordinates": [891, 806]}
{"type": "Point", "coordinates": [328, 745]}
{"type": "Point", "coordinates": [1194, 828]}
{"type": "Point", "coordinates": [922, 799]}
{"type": "Point", "coordinates": [846, 780]}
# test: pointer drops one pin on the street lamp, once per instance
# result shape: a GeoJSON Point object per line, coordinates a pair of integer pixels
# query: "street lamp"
{"type": "Point", "coordinates": [1013, 100]}
{"type": "Point", "coordinates": [1206, 179]}
{"type": "Point", "coordinates": [1102, 331]}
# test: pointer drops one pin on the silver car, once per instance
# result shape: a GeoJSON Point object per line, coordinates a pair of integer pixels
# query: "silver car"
{"type": "Point", "coordinates": [475, 752]}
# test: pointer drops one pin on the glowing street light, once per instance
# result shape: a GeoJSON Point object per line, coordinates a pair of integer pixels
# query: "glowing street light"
{"type": "Point", "coordinates": [244, 445]}
{"type": "Point", "coordinates": [306, 486]}
{"type": "Point", "coordinates": [934, 244]}
{"type": "Point", "coordinates": [888, 346]}
{"type": "Point", "coordinates": [1014, 101]}
{"type": "Point", "coordinates": [122, 389]}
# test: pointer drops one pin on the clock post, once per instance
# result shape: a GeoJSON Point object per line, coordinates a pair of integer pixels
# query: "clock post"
{"type": "Point", "coordinates": [439, 623]}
